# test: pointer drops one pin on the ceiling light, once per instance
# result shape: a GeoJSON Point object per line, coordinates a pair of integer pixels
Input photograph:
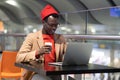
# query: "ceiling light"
{"type": "Point", "coordinates": [63, 28]}
{"type": "Point", "coordinates": [68, 30]}
{"type": "Point", "coordinates": [77, 32]}
{"type": "Point", "coordinates": [93, 30]}
{"type": "Point", "coordinates": [12, 2]}
{"type": "Point", "coordinates": [5, 31]}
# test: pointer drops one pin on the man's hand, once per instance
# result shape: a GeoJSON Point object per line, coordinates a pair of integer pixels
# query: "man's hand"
{"type": "Point", "coordinates": [45, 50]}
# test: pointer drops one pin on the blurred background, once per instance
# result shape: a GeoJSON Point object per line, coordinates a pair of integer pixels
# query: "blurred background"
{"type": "Point", "coordinates": [94, 21]}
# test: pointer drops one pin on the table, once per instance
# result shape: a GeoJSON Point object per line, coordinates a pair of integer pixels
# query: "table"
{"type": "Point", "coordinates": [46, 69]}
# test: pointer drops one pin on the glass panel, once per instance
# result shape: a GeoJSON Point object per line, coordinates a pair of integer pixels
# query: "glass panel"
{"type": "Point", "coordinates": [103, 22]}
{"type": "Point", "coordinates": [75, 23]}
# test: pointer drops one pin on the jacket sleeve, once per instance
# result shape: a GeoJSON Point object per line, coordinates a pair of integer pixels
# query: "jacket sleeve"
{"type": "Point", "coordinates": [25, 54]}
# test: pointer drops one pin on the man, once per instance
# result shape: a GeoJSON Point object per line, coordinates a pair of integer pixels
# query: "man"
{"type": "Point", "coordinates": [34, 45]}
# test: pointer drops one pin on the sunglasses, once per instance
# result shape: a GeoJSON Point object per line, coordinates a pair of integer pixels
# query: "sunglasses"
{"type": "Point", "coordinates": [53, 25]}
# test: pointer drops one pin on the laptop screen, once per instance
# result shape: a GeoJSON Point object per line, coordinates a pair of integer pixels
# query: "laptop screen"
{"type": "Point", "coordinates": [77, 53]}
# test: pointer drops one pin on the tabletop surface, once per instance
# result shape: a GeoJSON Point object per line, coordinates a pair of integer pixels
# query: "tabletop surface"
{"type": "Point", "coordinates": [59, 70]}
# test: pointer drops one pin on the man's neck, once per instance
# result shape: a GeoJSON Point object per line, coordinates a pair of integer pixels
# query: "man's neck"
{"type": "Point", "coordinates": [44, 32]}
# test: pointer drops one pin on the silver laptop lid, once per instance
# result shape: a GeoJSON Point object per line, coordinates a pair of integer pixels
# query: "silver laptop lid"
{"type": "Point", "coordinates": [78, 53]}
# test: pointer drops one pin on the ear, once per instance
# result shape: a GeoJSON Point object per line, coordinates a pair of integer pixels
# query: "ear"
{"type": "Point", "coordinates": [43, 22]}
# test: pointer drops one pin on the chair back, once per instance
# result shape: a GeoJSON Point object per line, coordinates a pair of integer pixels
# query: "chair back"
{"type": "Point", "coordinates": [7, 62]}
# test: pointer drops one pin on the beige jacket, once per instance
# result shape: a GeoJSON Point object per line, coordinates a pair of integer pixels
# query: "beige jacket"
{"type": "Point", "coordinates": [33, 42]}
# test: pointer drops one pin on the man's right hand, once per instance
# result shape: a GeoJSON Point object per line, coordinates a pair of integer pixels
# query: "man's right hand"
{"type": "Point", "coordinates": [45, 49]}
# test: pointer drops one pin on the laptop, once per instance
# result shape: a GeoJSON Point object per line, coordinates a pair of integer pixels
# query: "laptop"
{"type": "Point", "coordinates": [77, 53]}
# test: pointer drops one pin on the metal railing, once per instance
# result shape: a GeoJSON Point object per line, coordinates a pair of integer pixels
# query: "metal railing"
{"type": "Point", "coordinates": [93, 37]}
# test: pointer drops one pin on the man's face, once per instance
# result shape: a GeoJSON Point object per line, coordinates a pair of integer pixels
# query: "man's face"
{"type": "Point", "coordinates": [51, 25]}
